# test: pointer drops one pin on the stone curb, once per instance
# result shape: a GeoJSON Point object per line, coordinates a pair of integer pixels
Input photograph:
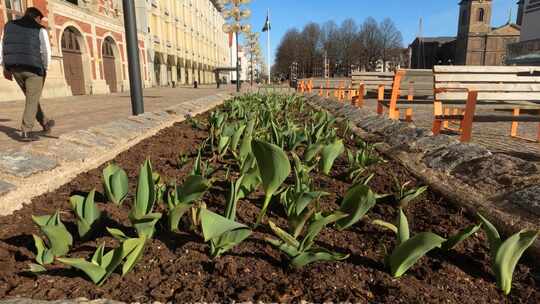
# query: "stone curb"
{"type": "Point", "coordinates": [46, 165]}
{"type": "Point", "coordinates": [503, 188]}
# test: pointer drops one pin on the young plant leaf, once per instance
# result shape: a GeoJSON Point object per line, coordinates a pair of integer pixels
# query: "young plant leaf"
{"type": "Point", "coordinates": [410, 251]}
{"type": "Point", "coordinates": [235, 139]}
{"type": "Point", "coordinates": [222, 232]}
{"type": "Point", "coordinates": [274, 168]}
{"type": "Point", "coordinates": [101, 265]}
{"type": "Point", "coordinates": [131, 252]}
{"type": "Point", "coordinates": [141, 215]}
{"type": "Point", "coordinates": [508, 255]}
{"type": "Point", "coordinates": [145, 198]}
{"type": "Point", "coordinates": [357, 202]}
{"type": "Point", "coordinates": [214, 225]}
{"type": "Point", "coordinates": [386, 225]}
{"type": "Point", "coordinates": [317, 255]}
{"type": "Point", "coordinates": [403, 227]}
{"type": "Point", "coordinates": [115, 183]}
{"type": "Point", "coordinates": [505, 255]}
{"type": "Point", "coordinates": [312, 152]}
{"type": "Point", "coordinates": [406, 196]}
{"type": "Point", "coordinates": [44, 256]}
{"type": "Point", "coordinates": [329, 154]}
{"type": "Point", "coordinates": [86, 211]}
{"type": "Point", "coordinates": [318, 223]}
{"type": "Point", "coordinates": [460, 237]}
{"type": "Point", "coordinates": [493, 236]}
{"type": "Point", "coordinates": [59, 238]}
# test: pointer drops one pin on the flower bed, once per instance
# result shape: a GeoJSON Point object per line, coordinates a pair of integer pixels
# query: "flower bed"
{"type": "Point", "coordinates": [260, 263]}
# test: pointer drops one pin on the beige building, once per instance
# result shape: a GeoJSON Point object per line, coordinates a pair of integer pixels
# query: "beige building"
{"type": "Point", "coordinates": [88, 47]}
{"type": "Point", "coordinates": [179, 41]}
{"type": "Point", "coordinates": [185, 40]}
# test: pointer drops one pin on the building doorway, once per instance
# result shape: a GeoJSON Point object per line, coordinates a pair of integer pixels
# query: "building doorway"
{"type": "Point", "coordinates": [109, 64]}
{"type": "Point", "coordinates": [73, 60]}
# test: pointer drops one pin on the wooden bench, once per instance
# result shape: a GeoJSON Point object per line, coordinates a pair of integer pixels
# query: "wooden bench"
{"type": "Point", "coordinates": [341, 89]}
{"type": "Point", "coordinates": [461, 91]}
{"type": "Point", "coordinates": [409, 86]}
{"type": "Point", "coordinates": [372, 80]}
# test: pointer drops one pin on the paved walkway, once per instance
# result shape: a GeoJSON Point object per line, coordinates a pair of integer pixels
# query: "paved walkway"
{"type": "Point", "coordinates": [494, 136]}
{"type": "Point", "coordinates": [82, 112]}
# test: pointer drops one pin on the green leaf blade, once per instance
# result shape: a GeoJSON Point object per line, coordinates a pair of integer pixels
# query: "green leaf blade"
{"type": "Point", "coordinates": [409, 252]}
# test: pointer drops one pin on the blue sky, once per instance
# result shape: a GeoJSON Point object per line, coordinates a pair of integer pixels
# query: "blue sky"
{"type": "Point", "coordinates": [440, 16]}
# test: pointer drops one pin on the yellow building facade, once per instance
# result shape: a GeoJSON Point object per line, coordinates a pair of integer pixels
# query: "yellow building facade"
{"type": "Point", "coordinates": [185, 40]}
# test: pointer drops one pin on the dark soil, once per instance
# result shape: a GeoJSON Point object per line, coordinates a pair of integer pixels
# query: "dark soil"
{"type": "Point", "coordinates": [176, 266]}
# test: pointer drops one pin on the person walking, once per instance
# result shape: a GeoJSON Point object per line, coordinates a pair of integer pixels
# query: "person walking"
{"type": "Point", "coordinates": [25, 54]}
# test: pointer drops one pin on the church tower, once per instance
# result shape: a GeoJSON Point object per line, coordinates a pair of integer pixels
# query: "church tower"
{"type": "Point", "coordinates": [473, 25]}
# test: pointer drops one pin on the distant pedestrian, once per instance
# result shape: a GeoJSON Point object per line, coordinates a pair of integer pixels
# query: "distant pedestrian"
{"type": "Point", "coordinates": [195, 84]}
{"type": "Point", "coordinates": [25, 54]}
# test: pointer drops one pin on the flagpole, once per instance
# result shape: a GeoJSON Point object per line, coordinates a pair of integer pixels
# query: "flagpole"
{"type": "Point", "coordinates": [268, 47]}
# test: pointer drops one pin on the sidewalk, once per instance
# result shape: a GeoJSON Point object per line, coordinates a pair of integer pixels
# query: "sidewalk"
{"type": "Point", "coordinates": [82, 112]}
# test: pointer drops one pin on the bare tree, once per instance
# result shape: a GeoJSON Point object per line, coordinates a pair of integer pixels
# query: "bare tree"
{"type": "Point", "coordinates": [345, 46]}
{"type": "Point", "coordinates": [288, 52]}
{"type": "Point", "coordinates": [370, 39]}
{"type": "Point", "coordinates": [391, 41]}
{"type": "Point", "coordinates": [329, 36]}
{"type": "Point", "coordinates": [310, 49]}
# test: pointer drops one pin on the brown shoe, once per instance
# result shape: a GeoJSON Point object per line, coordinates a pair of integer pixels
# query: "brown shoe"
{"type": "Point", "coordinates": [28, 137]}
{"type": "Point", "coordinates": [48, 126]}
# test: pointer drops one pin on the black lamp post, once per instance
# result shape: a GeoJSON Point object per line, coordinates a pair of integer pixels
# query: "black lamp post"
{"type": "Point", "coordinates": [132, 46]}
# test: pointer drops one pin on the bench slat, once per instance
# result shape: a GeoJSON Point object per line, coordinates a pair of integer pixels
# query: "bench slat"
{"type": "Point", "coordinates": [483, 78]}
{"type": "Point", "coordinates": [511, 96]}
{"type": "Point", "coordinates": [491, 118]}
{"type": "Point", "coordinates": [484, 69]}
{"type": "Point", "coordinates": [505, 87]}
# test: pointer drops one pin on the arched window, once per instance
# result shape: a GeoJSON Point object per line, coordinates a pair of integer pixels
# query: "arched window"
{"type": "Point", "coordinates": [481, 15]}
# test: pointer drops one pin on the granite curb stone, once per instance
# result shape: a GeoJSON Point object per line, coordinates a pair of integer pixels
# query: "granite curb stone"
{"type": "Point", "coordinates": [6, 187]}
{"type": "Point", "coordinates": [528, 198]}
{"type": "Point", "coordinates": [88, 138]}
{"type": "Point", "coordinates": [431, 143]}
{"type": "Point", "coordinates": [23, 163]}
{"type": "Point", "coordinates": [61, 149]}
{"type": "Point", "coordinates": [499, 173]}
{"type": "Point", "coordinates": [448, 158]}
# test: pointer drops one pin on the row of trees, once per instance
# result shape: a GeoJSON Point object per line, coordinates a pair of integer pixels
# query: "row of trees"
{"type": "Point", "coordinates": [347, 47]}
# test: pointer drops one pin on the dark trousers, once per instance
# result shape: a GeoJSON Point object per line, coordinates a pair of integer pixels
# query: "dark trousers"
{"type": "Point", "coordinates": [32, 86]}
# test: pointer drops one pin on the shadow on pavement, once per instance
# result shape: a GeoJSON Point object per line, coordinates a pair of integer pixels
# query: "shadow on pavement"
{"type": "Point", "coordinates": [11, 132]}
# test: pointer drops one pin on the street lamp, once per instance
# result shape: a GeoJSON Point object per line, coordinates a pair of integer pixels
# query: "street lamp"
{"type": "Point", "coordinates": [254, 51]}
{"type": "Point", "coordinates": [235, 14]}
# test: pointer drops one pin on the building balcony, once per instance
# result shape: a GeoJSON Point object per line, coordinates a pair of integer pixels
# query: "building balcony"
{"type": "Point", "coordinates": [154, 3]}
{"type": "Point", "coordinates": [156, 39]}
{"type": "Point", "coordinates": [169, 44]}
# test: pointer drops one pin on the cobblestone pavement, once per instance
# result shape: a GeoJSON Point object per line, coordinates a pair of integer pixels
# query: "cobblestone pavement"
{"type": "Point", "coordinates": [494, 136]}
{"type": "Point", "coordinates": [82, 112]}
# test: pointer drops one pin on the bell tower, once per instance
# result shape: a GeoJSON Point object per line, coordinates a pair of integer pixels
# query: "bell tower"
{"type": "Point", "coordinates": [473, 25]}
{"type": "Point", "coordinates": [474, 16]}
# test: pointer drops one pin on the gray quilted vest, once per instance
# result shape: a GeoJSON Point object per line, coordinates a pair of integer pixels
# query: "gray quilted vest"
{"type": "Point", "coordinates": [22, 46]}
